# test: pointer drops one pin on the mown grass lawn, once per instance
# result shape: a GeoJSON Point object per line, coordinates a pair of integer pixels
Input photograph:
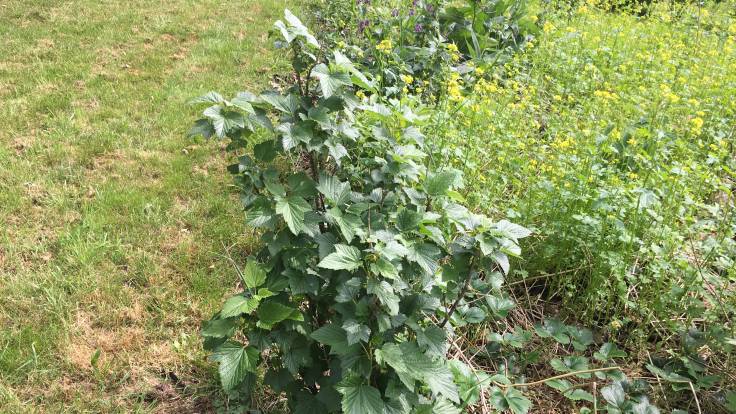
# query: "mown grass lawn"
{"type": "Point", "coordinates": [113, 225]}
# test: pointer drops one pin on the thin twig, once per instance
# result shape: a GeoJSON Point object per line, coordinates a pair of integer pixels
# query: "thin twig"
{"type": "Point", "coordinates": [697, 402]}
{"type": "Point", "coordinates": [460, 295]}
{"type": "Point", "coordinates": [569, 374]}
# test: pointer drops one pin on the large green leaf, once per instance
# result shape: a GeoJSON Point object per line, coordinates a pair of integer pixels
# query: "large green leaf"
{"type": "Point", "coordinates": [385, 294]}
{"type": "Point", "coordinates": [219, 328]}
{"type": "Point", "coordinates": [343, 258]}
{"type": "Point", "coordinates": [238, 305]}
{"type": "Point", "coordinates": [438, 184]}
{"type": "Point", "coordinates": [357, 76]}
{"type": "Point", "coordinates": [236, 361]}
{"type": "Point", "coordinates": [254, 275]}
{"type": "Point", "coordinates": [209, 97]}
{"type": "Point", "coordinates": [349, 224]}
{"type": "Point", "coordinates": [292, 209]}
{"type": "Point", "coordinates": [359, 398]}
{"type": "Point", "coordinates": [335, 191]}
{"type": "Point", "coordinates": [443, 406]}
{"type": "Point", "coordinates": [301, 185]}
{"type": "Point", "coordinates": [512, 230]}
{"type": "Point", "coordinates": [425, 255]}
{"type": "Point", "coordinates": [295, 29]}
{"type": "Point", "coordinates": [408, 220]}
{"type": "Point", "coordinates": [434, 339]}
{"type": "Point", "coordinates": [385, 268]}
{"type": "Point", "coordinates": [271, 313]}
{"type": "Point", "coordinates": [331, 335]}
{"type": "Point", "coordinates": [510, 399]}
{"type": "Point", "coordinates": [224, 121]}
{"type": "Point", "coordinates": [356, 332]}
{"type": "Point", "coordinates": [614, 394]}
{"type": "Point", "coordinates": [411, 364]}
{"type": "Point", "coordinates": [608, 351]}
{"type": "Point", "coordinates": [330, 80]}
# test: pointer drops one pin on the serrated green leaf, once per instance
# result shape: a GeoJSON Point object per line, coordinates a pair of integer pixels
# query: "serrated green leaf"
{"type": "Point", "coordinates": [202, 127]}
{"type": "Point", "coordinates": [254, 275]}
{"type": "Point", "coordinates": [357, 76]}
{"type": "Point", "coordinates": [270, 313]}
{"type": "Point", "coordinates": [356, 332]}
{"type": "Point", "coordinates": [349, 224]}
{"type": "Point", "coordinates": [425, 255]}
{"type": "Point", "coordinates": [238, 305]}
{"type": "Point", "coordinates": [243, 102]}
{"type": "Point", "coordinates": [512, 230]}
{"type": "Point", "coordinates": [287, 104]}
{"type": "Point", "coordinates": [265, 151]}
{"type": "Point", "coordinates": [561, 385]}
{"type": "Point", "coordinates": [343, 258]}
{"type": "Point", "coordinates": [359, 398]}
{"type": "Point", "coordinates": [608, 351]}
{"type": "Point", "coordinates": [510, 399]}
{"type": "Point", "coordinates": [408, 220]}
{"type": "Point", "coordinates": [614, 394]}
{"type": "Point", "coordinates": [385, 294]}
{"type": "Point", "coordinates": [209, 97]}
{"type": "Point", "coordinates": [570, 364]}
{"type": "Point", "coordinates": [579, 395]}
{"type": "Point", "coordinates": [443, 406]}
{"type": "Point", "coordinates": [336, 192]}
{"type": "Point", "coordinates": [438, 184]}
{"type": "Point", "coordinates": [224, 121]}
{"type": "Point", "coordinates": [236, 361]}
{"type": "Point", "coordinates": [385, 268]}
{"type": "Point", "coordinates": [301, 185]}
{"type": "Point", "coordinates": [434, 373]}
{"type": "Point", "coordinates": [553, 328]}
{"type": "Point", "coordinates": [500, 306]}
{"type": "Point", "coordinates": [434, 339]}
{"type": "Point", "coordinates": [331, 335]}
{"type": "Point", "coordinates": [219, 328]}
{"type": "Point", "coordinates": [292, 209]}
{"type": "Point", "coordinates": [330, 81]}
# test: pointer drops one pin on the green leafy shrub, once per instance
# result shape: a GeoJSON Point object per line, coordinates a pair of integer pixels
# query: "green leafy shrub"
{"type": "Point", "coordinates": [423, 39]}
{"type": "Point", "coordinates": [369, 258]}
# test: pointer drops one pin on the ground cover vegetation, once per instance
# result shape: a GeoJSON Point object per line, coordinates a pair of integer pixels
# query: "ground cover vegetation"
{"type": "Point", "coordinates": [606, 129]}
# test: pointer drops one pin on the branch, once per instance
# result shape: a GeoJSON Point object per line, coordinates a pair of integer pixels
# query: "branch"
{"type": "Point", "coordinates": [460, 296]}
{"type": "Point", "coordinates": [569, 374]}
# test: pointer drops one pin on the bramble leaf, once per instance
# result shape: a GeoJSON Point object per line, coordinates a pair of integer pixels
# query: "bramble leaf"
{"type": "Point", "coordinates": [292, 209]}
{"type": "Point", "coordinates": [254, 275]}
{"type": "Point", "coordinates": [236, 361]}
{"type": "Point", "coordinates": [343, 258]}
{"type": "Point", "coordinates": [271, 313]}
{"type": "Point", "coordinates": [359, 398]}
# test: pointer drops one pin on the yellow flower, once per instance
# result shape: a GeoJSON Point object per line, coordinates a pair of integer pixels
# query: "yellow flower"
{"type": "Point", "coordinates": [548, 27]}
{"type": "Point", "coordinates": [385, 45]}
{"type": "Point", "coordinates": [408, 79]}
{"type": "Point", "coordinates": [696, 125]}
